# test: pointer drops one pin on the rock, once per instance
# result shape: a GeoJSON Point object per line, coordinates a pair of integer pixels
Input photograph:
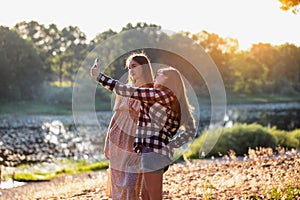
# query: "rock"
{"type": "Point", "coordinates": [26, 139]}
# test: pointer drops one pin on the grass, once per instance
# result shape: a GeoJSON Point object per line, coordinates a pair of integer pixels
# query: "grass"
{"type": "Point", "coordinates": [289, 192]}
{"type": "Point", "coordinates": [30, 108]}
{"type": "Point", "coordinates": [22, 172]}
{"type": "Point", "coordinates": [265, 175]}
{"type": "Point", "coordinates": [33, 177]}
{"type": "Point", "coordinates": [23, 107]}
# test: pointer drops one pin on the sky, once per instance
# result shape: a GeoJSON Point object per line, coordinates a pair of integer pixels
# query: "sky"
{"type": "Point", "coordinates": [248, 21]}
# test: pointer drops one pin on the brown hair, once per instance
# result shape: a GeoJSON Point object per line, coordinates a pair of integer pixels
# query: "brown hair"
{"type": "Point", "coordinates": [175, 83]}
{"type": "Point", "coordinates": [143, 60]}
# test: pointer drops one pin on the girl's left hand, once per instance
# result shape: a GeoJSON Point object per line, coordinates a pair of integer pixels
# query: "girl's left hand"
{"type": "Point", "coordinates": [95, 70]}
{"type": "Point", "coordinates": [138, 149]}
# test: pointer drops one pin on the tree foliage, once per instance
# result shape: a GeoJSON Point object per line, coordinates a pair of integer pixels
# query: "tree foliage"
{"type": "Point", "coordinates": [61, 50]}
{"type": "Point", "coordinates": [21, 68]}
{"type": "Point", "coordinates": [39, 54]}
{"type": "Point", "coordinates": [290, 5]}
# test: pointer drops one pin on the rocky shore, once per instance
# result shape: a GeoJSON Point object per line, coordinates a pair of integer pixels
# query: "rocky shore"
{"type": "Point", "coordinates": [30, 139]}
{"type": "Point", "coordinates": [38, 138]}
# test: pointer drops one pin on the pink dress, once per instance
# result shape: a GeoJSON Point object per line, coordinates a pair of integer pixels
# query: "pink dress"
{"type": "Point", "coordinates": [124, 162]}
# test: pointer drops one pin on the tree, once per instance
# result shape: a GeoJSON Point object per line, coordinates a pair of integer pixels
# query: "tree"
{"type": "Point", "coordinates": [220, 49]}
{"type": "Point", "coordinates": [289, 55]}
{"type": "Point", "coordinates": [249, 75]}
{"type": "Point", "coordinates": [265, 53]}
{"type": "Point", "coordinates": [290, 4]}
{"type": "Point", "coordinates": [112, 47]}
{"type": "Point", "coordinates": [21, 68]}
{"type": "Point", "coordinates": [61, 50]}
{"type": "Point", "coordinates": [44, 39]}
{"type": "Point", "coordinates": [72, 50]}
{"type": "Point", "coordinates": [101, 37]}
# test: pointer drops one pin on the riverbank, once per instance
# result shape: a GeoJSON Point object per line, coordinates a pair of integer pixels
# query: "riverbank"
{"type": "Point", "coordinates": [41, 108]}
{"type": "Point", "coordinates": [38, 138]}
{"type": "Point", "coordinates": [263, 176]}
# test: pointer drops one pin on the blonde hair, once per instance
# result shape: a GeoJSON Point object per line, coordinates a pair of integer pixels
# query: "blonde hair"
{"type": "Point", "coordinates": [175, 83]}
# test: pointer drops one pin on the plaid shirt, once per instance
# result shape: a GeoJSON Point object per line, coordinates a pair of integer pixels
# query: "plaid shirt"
{"type": "Point", "coordinates": [157, 123]}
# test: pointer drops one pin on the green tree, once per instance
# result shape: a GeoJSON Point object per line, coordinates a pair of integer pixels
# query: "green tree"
{"type": "Point", "coordinates": [268, 56]}
{"type": "Point", "coordinates": [61, 50]}
{"type": "Point", "coordinates": [100, 38]}
{"type": "Point", "coordinates": [44, 39]}
{"type": "Point", "coordinates": [71, 52]}
{"type": "Point", "coordinates": [112, 48]}
{"type": "Point", "coordinates": [21, 68]}
{"type": "Point", "coordinates": [249, 75]}
{"type": "Point", "coordinates": [290, 58]}
{"type": "Point", "coordinates": [265, 53]}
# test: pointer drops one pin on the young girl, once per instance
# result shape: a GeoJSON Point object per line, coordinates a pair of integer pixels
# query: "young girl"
{"type": "Point", "coordinates": [125, 179]}
{"type": "Point", "coordinates": [163, 110]}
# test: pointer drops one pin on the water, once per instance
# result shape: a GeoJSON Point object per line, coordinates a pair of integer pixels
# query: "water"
{"type": "Point", "coordinates": [10, 184]}
{"type": "Point", "coordinates": [284, 116]}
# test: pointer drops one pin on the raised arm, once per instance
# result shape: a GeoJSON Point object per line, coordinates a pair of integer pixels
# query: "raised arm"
{"type": "Point", "coordinates": [142, 94]}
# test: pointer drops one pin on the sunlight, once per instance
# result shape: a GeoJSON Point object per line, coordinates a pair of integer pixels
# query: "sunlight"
{"type": "Point", "coordinates": [250, 21]}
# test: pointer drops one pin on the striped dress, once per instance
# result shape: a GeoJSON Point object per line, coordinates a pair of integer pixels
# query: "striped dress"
{"type": "Point", "coordinates": [125, 179]}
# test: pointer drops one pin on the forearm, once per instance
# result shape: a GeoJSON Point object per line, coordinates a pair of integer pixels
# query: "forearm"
{"type": "Point", "coordinates": [142, 94]}
{"type": "Point", "coordinates": [106, 82]}
{"type": "Point", "coordinates": [184, 137]}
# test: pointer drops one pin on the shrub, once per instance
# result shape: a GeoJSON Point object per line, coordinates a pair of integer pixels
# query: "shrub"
{"type": "Point", "coordinates": [239, 139]}
{"type": "Point", "coordinates": [290, 140]}
{"type": "Point", "coordinates": [296, 134]}
{"type": "Point", "coordinates": [57, 95]}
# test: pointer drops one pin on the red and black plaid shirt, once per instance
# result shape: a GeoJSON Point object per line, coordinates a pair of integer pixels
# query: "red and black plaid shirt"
{"type": "Point", "coordinates": [157, 124]}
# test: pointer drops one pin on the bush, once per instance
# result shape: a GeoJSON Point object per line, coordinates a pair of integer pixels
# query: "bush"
{"type": "Point", "coordinates": [290, 140]}
{"type": "Point", "coordinates": [61, 98]}
{"type": "Point", "coordinates": [239, 139]}
{"type": "Point", "coordinates": [57, 95]}
{"type": "Point", "coordinates": [296, 134]}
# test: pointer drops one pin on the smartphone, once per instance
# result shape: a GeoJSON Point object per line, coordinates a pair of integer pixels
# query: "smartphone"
{"type": "Point", "coordinates": [96, 62]}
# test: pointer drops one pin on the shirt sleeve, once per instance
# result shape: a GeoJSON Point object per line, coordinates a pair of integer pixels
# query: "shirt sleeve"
{"type": "Point", "coordinates": [184, 136]}
{"type": "Point", "coordinates": [142, 94]}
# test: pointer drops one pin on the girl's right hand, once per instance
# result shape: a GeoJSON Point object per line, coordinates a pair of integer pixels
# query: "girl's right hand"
{"type": "Point", "coordinates": [95, 69]}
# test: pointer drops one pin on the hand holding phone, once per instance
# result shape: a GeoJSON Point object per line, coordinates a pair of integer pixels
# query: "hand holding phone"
{"type": "Point", "coordinates": [95, 69]}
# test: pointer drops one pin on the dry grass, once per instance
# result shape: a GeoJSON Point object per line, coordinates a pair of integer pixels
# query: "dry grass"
{"type": "Point", "coordinates": [262, 175]}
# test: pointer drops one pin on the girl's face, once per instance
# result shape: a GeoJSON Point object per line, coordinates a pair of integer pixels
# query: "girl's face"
{"type": "Point", "coordinates": [135, 70]}
{"type": "Point", "coordinates": [159, 79]}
